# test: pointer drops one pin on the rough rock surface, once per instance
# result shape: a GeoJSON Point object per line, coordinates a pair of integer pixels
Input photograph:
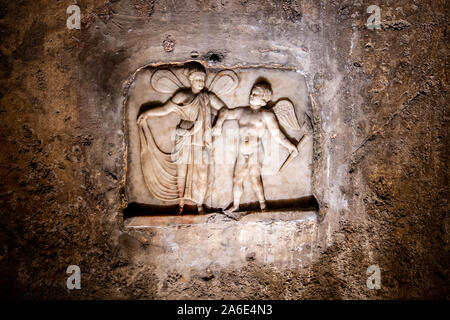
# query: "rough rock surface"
{"type": "Point", "coordinates": [381, 161]}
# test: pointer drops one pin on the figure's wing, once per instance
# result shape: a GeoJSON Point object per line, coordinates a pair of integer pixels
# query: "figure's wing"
{"type": "Point", "coordinates": [285, 112]}
{"type": "Point", "coordinates": [165, 81]}
{"type": "Point", "coordinates": [223, 82]}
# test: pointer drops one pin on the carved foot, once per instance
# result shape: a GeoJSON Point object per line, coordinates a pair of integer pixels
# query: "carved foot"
{"type": "Point", "coordinates": [180, 211]}
{"type": "Point", "coordinates": [230, 210]}
{"type": "Point", "coordinates": [262, 205]}
{"type": "Point", "coordinates": [200, 209]}
{"type": "Point", "coordinates": [233, 213]}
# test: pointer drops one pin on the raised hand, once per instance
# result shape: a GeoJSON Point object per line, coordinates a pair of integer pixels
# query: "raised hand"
{"type": "Point", "coordinates": [293, 150]}
{"type": "Point", "coordinates": [142, 118]}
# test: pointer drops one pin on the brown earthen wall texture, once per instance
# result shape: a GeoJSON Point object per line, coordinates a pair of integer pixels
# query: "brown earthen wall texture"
{"type": "Point", "coordinates": [61, 172]}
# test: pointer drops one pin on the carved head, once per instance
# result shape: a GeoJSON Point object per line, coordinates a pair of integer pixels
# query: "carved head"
{"type": "Point", "coordinates": [196, 74]}
{"type": "Point", "coordinates": [259, 96]}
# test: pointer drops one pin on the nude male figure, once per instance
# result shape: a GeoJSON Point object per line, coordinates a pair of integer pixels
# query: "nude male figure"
{"type": "Point", "coordinates": [253, 122]}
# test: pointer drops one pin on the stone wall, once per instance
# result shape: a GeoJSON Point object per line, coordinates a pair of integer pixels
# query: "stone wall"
{"type": "Point", "coordinates": [380, 152]}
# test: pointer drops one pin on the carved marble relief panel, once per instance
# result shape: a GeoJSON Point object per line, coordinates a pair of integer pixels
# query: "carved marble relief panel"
{"type": "Point", "coordinates": [217, 140]}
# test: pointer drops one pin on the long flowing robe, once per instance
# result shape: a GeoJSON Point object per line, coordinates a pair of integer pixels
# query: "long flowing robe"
{"type": "Point", "coordinates": [161, 170]}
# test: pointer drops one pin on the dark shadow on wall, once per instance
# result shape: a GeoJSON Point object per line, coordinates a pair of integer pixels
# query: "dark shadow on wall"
{"type": "Point", "coordinates": [308, 203]}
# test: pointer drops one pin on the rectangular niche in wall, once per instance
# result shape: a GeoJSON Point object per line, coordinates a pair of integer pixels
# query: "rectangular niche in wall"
{"type": "Point", "coordinates": [199, 139]}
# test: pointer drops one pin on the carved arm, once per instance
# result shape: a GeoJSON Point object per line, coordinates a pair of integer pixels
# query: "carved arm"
{"type": "Point", "coordinates": [225, 114]}
{"type": "Point", "coordinates": [163, 110]}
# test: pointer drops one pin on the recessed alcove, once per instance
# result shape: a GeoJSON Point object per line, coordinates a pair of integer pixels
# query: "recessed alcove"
{"type": "Point", "coordinates": [286, 179]}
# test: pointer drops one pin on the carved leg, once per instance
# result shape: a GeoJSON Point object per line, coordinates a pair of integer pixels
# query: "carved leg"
{"type": "Point", "coordinates": [238, 184]}
{"type": "Point", "coordinates": [202, 185]}
{"type": "Point", "coordinates": [255, 179]}
{"type": "Point", "coordinates": [181, 182]}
